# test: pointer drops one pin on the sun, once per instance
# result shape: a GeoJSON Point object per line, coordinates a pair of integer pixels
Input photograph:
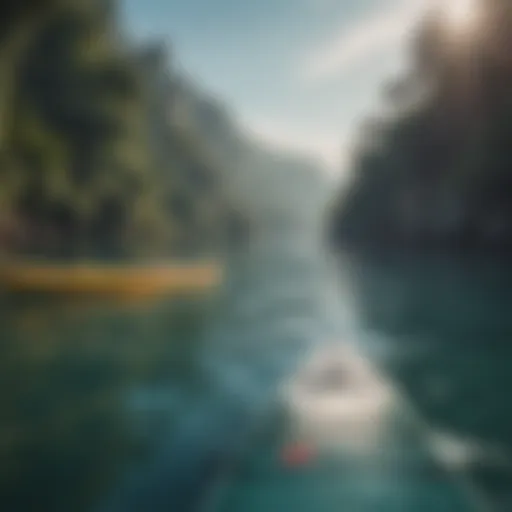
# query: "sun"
{"type": "Point", "coordinates": [461, 14]}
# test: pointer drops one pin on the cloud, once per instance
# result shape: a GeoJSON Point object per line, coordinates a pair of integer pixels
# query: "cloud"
{"type": "Point", "coordinates": [359, 41]}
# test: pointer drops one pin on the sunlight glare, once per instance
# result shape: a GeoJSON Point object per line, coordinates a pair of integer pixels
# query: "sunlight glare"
{"type": "Point", "coordinates": [461, 14]}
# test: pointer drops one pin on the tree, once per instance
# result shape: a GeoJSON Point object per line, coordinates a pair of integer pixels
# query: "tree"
{"type": "Point", "coordinates": [444, 161]}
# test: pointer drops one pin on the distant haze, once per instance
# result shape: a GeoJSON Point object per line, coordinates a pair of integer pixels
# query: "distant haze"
{"type": "Point", "coordinates": [299, 73]}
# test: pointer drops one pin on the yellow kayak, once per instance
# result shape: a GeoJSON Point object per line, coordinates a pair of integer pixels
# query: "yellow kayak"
{"type": "Point", "coordinates": [107, 280]}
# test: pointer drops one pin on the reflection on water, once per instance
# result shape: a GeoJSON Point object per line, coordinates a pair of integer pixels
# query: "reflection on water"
{"type": "Point", "coordinates": [441, 328]}
{"type": "Point", "coordinates": [116, 407]}
{"type": "Point", "coordinates": [446, 330]}
{"type": "Point", "coordinates": [67, 371]}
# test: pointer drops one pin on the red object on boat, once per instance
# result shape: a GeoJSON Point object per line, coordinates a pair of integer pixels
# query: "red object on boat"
{"type": "Point", "coordinates": [297, 454]}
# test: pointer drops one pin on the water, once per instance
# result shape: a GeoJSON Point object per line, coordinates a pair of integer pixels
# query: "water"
{"type": "Point", "coordinates": [172, 406]}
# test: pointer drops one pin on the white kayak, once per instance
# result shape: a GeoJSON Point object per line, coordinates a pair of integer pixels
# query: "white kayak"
{"type": "Point", "coordinates": [337, 400]}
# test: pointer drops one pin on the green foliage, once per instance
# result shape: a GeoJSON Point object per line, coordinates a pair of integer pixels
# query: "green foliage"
{"type": "Point", "coordinates": [94, 157]}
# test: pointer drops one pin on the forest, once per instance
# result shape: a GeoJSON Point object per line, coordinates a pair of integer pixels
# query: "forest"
{"type": "Point", "coordinates": [435, 171]}
{"type": "Point", "coordinates": [106, 150]}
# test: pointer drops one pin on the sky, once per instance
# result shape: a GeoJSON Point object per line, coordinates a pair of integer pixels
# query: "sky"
{"type": "Point", "coordinates": [299, 74]}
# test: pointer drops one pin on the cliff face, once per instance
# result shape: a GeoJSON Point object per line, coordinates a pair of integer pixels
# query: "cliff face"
{"type": "Point", "coordinates": [198, 151]}
{"type": "Point", "coordinates": [262, 186]}
{"type": "Point", "coordinates": [440, 172]}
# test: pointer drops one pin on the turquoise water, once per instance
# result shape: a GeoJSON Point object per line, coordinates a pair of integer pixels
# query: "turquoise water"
{"type": "Point", "coordinates": [172, 406]}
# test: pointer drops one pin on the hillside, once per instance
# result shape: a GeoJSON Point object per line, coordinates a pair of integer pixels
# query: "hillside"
{"type": "Point", "coordinates": [436, 173]}
{"type": "Point", "coordinates": [106, 150]}
{"type": "Point", "coordinates": [110, 150]}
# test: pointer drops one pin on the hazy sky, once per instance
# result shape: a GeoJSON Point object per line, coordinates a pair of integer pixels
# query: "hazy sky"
{"type": "Point", "coordinates": [298, 73]}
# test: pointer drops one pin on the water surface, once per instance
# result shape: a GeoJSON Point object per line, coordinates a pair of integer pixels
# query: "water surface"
{"type": "Point", "coordinates": [111, 407]}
